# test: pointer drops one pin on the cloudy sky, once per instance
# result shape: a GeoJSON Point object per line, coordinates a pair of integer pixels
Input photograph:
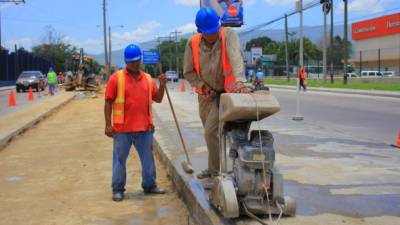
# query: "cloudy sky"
{"type": "Point", "coordinates": [78, 21]}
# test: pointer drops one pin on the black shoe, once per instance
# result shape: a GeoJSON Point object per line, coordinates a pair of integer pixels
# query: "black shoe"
{"type": "Point", "coordinates": [155, 190]}
{"type": "Point", "coordinates": [204, 174]}
{"type": "Point", "coordinates": [118, 196]}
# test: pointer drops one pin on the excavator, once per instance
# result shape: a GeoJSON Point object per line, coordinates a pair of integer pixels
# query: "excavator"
{"type": "Point", "coordinates": [81, 78]}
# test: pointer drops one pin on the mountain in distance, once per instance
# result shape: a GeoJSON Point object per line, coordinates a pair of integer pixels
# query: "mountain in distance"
{"type": "Point", "coordinates": [314, 33]}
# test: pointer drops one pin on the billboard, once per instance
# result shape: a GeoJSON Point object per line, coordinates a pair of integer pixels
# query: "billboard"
{"type": "Point", "coordinates": [381, 26]}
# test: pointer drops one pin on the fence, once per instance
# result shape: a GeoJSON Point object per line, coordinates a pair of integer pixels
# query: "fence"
{"type": "Point", "coordinates": [12, 64]}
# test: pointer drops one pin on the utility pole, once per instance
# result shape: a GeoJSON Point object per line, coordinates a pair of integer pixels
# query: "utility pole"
{"type": "Point", "coordinates": [105, 39]}
{"type": "Point", "coordinates": [345, 42]}
{"type": "Point", "coordinates": [331, 45]}
{"type": "Point", "coordinates": [325, 8]}
{"type": "Point", "coordinates": [109, 48]}
{"type": "Point", "coordinates": [176, 51]}
{"type": "Point", "coordinates": [286, 48]}
{"type": "Point", "coordinates": [299, 6]}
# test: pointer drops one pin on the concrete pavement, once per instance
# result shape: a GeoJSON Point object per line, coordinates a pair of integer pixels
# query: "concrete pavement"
{"type": "Point", "coordinates": [336, 176]}
{"type": "Point", "coordinates": [13, 124]}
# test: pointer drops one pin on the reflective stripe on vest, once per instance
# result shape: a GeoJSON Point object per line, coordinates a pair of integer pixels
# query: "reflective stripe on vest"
{"type": "Point", "coordinates": [230, 83]}
{"type": "Point", "coordinates": [119, 102]}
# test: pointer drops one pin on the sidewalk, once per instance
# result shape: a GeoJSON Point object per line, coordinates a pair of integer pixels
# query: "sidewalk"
{"type": "Point", "coordinates": [307, 154]}
{"type": "Point", "coordinates": [7, 88]}
{"type": "Point", "coordinates": [12, 125]}
{"type": "Point", "coordinates": [394, 94]}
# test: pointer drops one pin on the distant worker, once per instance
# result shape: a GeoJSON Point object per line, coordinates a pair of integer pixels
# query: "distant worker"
{"type": "Point", "coordinates": [259, 81]}
{"type": "Point", "coordinates": [213, 64]}
{"type": "Point", "coordinates": [303, 79]}
{"type": "Point", "coordinates": [52, 81]}
{"type": "Point", "coordinates": [60, 78]}
{"type": "Point", "coordinates": [81, 73]}
{"type": "Point", "coordinates": [128, 101]}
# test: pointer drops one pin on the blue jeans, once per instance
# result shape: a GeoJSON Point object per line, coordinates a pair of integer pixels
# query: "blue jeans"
{"type": "Point", "coordinates": [122, 144]}
{"type": "Point", "coordinates": [52, 88]}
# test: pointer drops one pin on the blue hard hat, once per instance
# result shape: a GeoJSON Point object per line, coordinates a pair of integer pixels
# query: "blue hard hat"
{"type": "Point", "coordinates": [132, 53]}
{"type": "Point", "coordinates": [51, 69]}
{"type": "Point", "coordinates": [207, 21]}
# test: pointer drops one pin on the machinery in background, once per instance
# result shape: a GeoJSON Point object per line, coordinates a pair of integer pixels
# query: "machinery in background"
{"type": "Point", "coordinates": [81, 77]}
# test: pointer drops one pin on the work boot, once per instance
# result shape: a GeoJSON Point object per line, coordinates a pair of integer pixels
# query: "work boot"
{"type": "Point", "coordinates": [155, 190]}
{"type": "Point", "coordinates": [204, 174]}
{"type": "Point", "coordinates": [118, 196]}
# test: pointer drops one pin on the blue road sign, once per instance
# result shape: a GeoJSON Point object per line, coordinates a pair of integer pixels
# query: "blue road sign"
{"type": "Point", "coordinates": [151, 57]}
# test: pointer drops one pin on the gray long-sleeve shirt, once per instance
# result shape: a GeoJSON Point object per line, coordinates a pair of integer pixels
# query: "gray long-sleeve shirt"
{"type": "Point", "coordinates": [211, 62]}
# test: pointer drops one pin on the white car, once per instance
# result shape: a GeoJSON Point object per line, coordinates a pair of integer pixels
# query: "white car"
{"type": "Point", "coordinates": [371, 74]}
{"type": "Point", "coordinates": [387, 73]}
{"type": "Point", "coordinates": [172, 76]}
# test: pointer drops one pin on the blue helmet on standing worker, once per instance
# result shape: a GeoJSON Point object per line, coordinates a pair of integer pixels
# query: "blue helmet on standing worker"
{"type": "Point", "coordinates": [132, 53]}
{"type": "Point", "coordinates": [207, 21]}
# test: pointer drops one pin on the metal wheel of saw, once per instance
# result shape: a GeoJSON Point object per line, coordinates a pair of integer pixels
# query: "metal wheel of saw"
{"type": "Point", "coordinates": [290, 206]}
{"type": "Point", "coordinates": [228, 203]}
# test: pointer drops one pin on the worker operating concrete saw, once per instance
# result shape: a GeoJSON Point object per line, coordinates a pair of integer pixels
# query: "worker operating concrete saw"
{"type": "Point", "coordinates": [213, 65]}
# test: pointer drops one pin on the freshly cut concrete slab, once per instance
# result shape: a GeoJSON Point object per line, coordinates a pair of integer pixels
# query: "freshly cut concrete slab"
{"type": "Point", "coordinates": [14, 124]}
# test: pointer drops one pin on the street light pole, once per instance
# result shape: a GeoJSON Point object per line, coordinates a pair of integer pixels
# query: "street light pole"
{"type": "Point", "coordinates": [105, 39]}
{"type": "Point", "coordinates": [331, 45]}
{"type": "Point", "coordinates": [299, 6]}
{"type": "Point", "coordinates": [345, 42]}
{"type": "Point", "coordinates": [176, 50]}
{"type": "Point", "coordinates": [286, 48]}
{"type": "Point", "coordinates": [325, 42]}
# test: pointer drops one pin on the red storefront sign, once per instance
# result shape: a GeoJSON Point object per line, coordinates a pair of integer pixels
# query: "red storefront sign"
{"type": "Point", "coordinates": [377, 27]}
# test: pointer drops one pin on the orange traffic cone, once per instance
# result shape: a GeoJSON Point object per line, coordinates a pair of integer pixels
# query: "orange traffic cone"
{"type": "Point", "coordinates": [397, 145]}
{"type": "Point", "coordinates": [183, 86]}
{"type": "Point", "coordinates": [11, 99]}
{"type": "Point", "coordinates": [30, 95]}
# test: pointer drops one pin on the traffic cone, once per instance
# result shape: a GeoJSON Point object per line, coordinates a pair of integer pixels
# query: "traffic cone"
{"type": "Point", "coordinates": [30, 95]}
{"type": "Point", "coordinates": [11, 99]}
{"type": "Point", "coordinates": [397, 145]}
{"type": "Point", "coordinates": [183, 86]}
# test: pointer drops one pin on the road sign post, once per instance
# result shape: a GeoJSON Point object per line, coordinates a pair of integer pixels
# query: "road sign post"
{"type": "Point", "coordinates": [151, 57]}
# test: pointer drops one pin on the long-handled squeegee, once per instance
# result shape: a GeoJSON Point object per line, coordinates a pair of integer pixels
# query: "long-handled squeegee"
{"type": "Point", "coordinates": [186, 165]}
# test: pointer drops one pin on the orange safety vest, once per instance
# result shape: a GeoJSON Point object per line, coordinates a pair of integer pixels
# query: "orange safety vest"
{"type": "Point", "coordinates": [230, 83]}
{"type": "Point", "coordinates": [119, 102]}
{"type": "Point", "coordinates": [302, 73]}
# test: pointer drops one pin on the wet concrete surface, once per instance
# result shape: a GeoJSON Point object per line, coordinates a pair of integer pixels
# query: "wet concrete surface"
{"type": "Point", "coordinates": [336, 176]}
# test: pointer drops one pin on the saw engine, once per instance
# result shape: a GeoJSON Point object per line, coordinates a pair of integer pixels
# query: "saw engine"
{"type": "Point", "coordinates": [248, 183]}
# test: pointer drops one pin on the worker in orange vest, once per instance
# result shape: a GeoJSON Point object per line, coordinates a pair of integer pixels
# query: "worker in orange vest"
{"type": "Point", "coordinates": [213, 64]}
{"type": "Point", "coordinates": [303, 78]}
{"type": "Point", "coordinates": [128, 105]}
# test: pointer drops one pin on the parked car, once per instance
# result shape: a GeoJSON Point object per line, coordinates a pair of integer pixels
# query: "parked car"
{"type": "Point", "coordinates": [387, 73]}
{"type": "Point", "coordinates": [352, 75]}
{"type": "Point", "coordinates": [371, 74]}
{"type": "Point", "coordinates": [172, 75]}
{"type": "Point", "coordinates": [34, 79]}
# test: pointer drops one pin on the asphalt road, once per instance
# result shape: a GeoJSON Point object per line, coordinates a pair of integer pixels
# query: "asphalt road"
{"type": "Point", "coordinates": [374, 118]}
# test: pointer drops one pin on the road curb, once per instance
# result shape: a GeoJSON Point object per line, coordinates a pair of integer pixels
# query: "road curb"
{"type": "Point", "coordinates": [198, 207]}
{"type": "Point", "coordinates": [342, 91]}
{"type": "Point", "coordinates": [8, 138]}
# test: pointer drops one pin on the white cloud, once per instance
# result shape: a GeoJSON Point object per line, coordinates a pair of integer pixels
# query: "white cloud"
{"type": "Point", "coordinates": [187, 28]}
{"type": "Point", "coordinates": [142, 33]}
{"type": "Point", "coordinates": [365, 6]}
{"type": "Point", "coordinates": [187, 2]}
{"type": "Point", "coordinates": [282, 2]}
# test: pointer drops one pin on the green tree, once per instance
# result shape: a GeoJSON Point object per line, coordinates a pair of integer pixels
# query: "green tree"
{"type": "Point", "coordinates": [56, 49]}
{"type": "Point", "coordinates": [336, 53]}
{"type": "Point", "coordinates": [258, 42]}
{"type": "Point", "coordinates": [168, 55]}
